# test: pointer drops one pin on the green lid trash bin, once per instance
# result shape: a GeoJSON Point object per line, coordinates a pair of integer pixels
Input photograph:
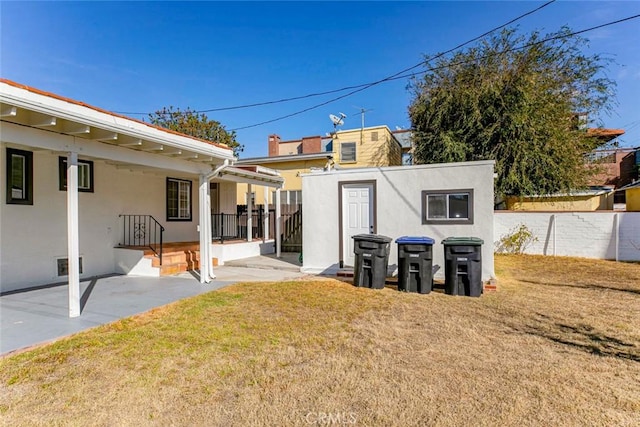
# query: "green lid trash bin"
{"type": "Point", "coordinates": [371, 260]}
{"type": "Point", "coordinates": [463, 266]}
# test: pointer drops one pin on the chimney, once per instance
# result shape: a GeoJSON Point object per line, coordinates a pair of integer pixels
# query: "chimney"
{"type": "Point", "coordinates": [311, 144]}
{"type": "Point", "coordinates": [274, 145]}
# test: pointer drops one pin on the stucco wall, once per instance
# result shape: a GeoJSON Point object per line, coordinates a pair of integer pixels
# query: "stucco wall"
{"type": "Point", "coordinates": [32, 237]}
{"type": "Point", "coordinates": [580, 234]}
{"type": "Point", "coordinates": [399, 209]}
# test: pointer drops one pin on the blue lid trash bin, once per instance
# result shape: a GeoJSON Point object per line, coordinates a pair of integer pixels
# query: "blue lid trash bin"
{"type": "Point", "coordinates": [463, 266]}
{"type": "Point", "coordinates": [371, 260]}
{"type": "Point", "coordinates": [415, 264]}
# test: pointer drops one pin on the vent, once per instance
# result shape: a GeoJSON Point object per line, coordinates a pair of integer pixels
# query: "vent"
{"type": "Point", "coordinates": [63, 266]}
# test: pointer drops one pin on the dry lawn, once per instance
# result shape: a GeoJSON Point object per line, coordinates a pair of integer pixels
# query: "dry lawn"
{"type": "Point", "coordinates": [558, 344]}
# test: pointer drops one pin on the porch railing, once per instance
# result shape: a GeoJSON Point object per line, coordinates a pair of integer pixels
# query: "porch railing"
{"type": "Point", "coordinates": [292, 232]}
{"type": "Point", "coordinates": [142, 231]}
{"type": "Point", "coordinates": [234, 226]}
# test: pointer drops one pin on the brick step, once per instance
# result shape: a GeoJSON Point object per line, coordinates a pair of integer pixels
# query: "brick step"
{"type": "Point", "coordinates": [190, 257]}
{"type": "Point", "coordinates": [177, 257]}
{"type": "Point", "coordinates": [171, 269]}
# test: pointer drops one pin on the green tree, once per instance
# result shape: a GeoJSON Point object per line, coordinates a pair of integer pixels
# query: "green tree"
{"type": "Point", "coordinates": [197, 125]}
{"type": "Point", "coordinates": [513, 99]}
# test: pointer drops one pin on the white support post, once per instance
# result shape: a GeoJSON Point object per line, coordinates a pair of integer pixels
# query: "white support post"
{"type": "Point", "coordinates": [249, 214]}
{"type": "Point", "coordinates": [278, 219]}
{"type": "Point", "coordinates": [265, 210]}
{"type": "Point", "coordinates": [205, 230]}
{"type": "Point", "coordinates": [73, 251]}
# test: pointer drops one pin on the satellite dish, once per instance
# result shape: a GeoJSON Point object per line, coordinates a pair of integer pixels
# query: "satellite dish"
{"type": "Point", "coordinates": [337, 121]}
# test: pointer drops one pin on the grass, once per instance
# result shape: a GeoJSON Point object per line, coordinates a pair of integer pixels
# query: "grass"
{"type": "Point", "coordinates": [558, 344]}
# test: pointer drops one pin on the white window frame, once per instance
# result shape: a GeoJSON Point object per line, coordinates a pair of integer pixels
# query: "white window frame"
{"type": "Point", "coordinates": [342, 152]}
{"type": "Point", "coordinates": [288, 197]}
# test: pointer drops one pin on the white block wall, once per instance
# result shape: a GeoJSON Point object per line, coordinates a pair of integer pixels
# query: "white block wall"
{"type": "Point", "coordinates": [603, 235]}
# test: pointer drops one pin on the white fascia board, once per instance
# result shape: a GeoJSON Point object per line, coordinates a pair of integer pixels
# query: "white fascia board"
{"type": "Point", "coordinates": [230, 173]}
{"type": "Point", "coordinates": [31, 137]}
{"type": "Point", "coordinates": [471, 164]}
{"type": "Point", "coordinates": [286, 158]}
{"type": "Point", "coordinates": [31, 101]}
{"type": "Point", "coordinates": [264, 170]}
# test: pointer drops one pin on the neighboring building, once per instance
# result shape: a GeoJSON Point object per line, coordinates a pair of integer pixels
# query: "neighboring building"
{"type": "Point", "coordinates": [595, 199]}
{"type": "Point", "coordinates": [617, 167]}
{"type": "Point", "coordinates": [290, 167]}
{"type": "Point", "coordinates": [355, 148]}
{"type": "Point", "coordinates": [632, 192]}
{"type": "Point", "coordinates": [82, 186]}
{"type": "Point", "coordinates": [435, 200]}
{"type": "Point", "coordinates": [405, 137]}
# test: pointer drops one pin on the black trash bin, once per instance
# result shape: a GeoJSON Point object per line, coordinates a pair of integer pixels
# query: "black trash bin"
{"type": "Point", "coordinates": [463, 266]}
{"type": "Point", "coordinates": [372, 257]}
{"type": "Point", "coordinates": [415, 264]}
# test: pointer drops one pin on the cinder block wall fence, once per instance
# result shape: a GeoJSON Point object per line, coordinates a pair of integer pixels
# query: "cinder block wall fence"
{"type": "Point", "coordinates": [603, 235]}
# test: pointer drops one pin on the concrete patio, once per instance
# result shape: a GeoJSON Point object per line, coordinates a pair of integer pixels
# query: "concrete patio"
{"type": "Point", "coordinates": [41, 315]}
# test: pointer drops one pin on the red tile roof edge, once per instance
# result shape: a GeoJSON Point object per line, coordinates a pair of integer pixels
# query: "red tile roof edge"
{"type": "Point", "coordinates": [100, 110]}
{"type": "Point", "coordinates": [605, 132]}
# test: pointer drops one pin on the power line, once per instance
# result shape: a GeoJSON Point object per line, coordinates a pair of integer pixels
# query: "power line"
{"type": "Point", "coordinates": [364, 85]}
{"type": "Point", "coordinates": [398, 75]}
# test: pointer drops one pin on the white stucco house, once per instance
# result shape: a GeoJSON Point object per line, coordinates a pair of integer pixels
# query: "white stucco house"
{"type": "Point", "coordinates": [81, 186]}
{"type": "Point", "coordinates": [437, 201]}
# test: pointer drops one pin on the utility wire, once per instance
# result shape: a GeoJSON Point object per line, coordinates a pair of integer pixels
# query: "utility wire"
{"type": "Point", "coordinates": [398, 75]}
{"type": "Point", "coordinates": [364, 85]}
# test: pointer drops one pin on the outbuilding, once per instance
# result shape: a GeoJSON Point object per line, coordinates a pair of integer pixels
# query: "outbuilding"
{"type": "Point", "coordinates": [437, 201]}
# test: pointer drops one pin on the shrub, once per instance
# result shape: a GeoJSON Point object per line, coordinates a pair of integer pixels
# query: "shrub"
{"type": "Point", "coordinates": [516, 241]}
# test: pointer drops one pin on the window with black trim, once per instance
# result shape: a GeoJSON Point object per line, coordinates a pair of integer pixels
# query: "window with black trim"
{"type": "Point", "coordinates": [447, 206]}
{"type": "Point", "coordinates": [348, 152]}
{"type": "Point", "coordinates": [19, 177]}
{"type": "Point", "coordinates": [85, 175]}
{"type": "Point", "coordinates": [178, 200]}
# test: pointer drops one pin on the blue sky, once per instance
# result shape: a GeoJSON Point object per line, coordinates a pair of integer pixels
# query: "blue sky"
{"type": "Point", "coordinates": [140, 56]}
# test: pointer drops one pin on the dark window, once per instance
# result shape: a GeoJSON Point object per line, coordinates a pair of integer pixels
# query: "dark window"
{"type": "Point", "coordinates": [63, 266]}
{"type": "Point", "coordinates": [348, 152]}
{"type": "Point", "coordinates": [85, 175]}
{"type": "Point", "coordinates": [178, 200]}
{"type": "Point", "coordinates": [19, 177]}
{"type": "Point", "coordinates": [447, 207]}
{"type": "Point", "coordinates": [374, 136]}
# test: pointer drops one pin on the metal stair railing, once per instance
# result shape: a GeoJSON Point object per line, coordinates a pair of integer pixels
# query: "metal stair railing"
{"type": "Point", "coordinates": [142, 231]}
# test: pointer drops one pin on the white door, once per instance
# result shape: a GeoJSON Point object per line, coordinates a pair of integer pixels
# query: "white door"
{"type": "Point", "coordinates": [357, 216]}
